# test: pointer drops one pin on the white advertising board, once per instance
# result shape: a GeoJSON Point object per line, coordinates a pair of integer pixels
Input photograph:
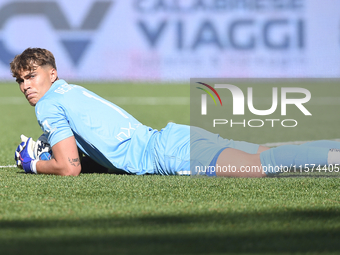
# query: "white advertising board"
{"type": "Point", "coordinates": [171, 40]}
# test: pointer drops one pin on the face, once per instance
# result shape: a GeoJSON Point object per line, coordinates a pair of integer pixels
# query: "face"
{"type": "Point", "coordinates": [34, 84]}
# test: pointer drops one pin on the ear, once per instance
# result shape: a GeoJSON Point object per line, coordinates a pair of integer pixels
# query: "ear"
{"type": "Point", "coordinates": [53, 75]}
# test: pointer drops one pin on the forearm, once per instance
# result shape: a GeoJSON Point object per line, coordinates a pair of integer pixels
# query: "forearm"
{"type": "Point", "coordinates": [72, 167]}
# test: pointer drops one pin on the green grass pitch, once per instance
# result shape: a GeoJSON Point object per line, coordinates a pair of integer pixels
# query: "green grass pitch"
{"type": "Point", "coordinates": [121, 214]}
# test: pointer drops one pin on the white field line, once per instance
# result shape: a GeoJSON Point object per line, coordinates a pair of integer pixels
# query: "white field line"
{"type": "Point", "coordinates": [116, 100]}
{"type": "Point", "coordinates": [175, 101]}
{"type": "Point", "coordinates": [292, 143]}
{"type": "Point", "coordinates": [180, 101]}
{"type": "Point", "coordinates": [13, 100]}
{"type": "Point", "coordinates": [265, 144]}
{"type": "Point", "coordinates": [150, 100]}
{"type": "Point", "coordinates": [8, 166]}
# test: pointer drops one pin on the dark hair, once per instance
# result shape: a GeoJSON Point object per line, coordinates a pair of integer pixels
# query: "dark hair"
{"type": "Point", "coordinates": [29, 59]}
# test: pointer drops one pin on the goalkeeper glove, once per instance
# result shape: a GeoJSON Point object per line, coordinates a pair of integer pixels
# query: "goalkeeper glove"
{"type": "Point", "coordinates": [24, 155]}
{"type": "Point", "coordinates": [19, 149]}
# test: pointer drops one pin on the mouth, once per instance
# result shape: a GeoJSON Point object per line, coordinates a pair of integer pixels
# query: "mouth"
{"type": "Point", "coordinates": [30, 96]}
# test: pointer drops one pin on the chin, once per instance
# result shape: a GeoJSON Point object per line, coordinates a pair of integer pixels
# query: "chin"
{"type": "Point", "coordinates": [32, 103]}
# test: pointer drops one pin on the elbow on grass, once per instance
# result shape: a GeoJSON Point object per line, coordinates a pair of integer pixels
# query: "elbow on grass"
{"type": "Point", "coordinates": [70, 171]}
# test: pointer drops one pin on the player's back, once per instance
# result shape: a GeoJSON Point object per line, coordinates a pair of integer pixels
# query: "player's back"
{"type": "Point", "coordinates": [103, 130]}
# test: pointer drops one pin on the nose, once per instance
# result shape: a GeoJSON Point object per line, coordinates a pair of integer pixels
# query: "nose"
{"type": "Point", "coordinates": [25, 85]}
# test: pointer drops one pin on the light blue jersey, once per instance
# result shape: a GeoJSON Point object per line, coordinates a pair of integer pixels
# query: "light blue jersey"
{"type": "Point", "coordinates": [103, 131]}
{"type": "Point", "coordinates": [116, 140]}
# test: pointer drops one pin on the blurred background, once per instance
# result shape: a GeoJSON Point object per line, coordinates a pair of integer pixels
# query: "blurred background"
{"type": "Point", "coordinates": [175, 40]}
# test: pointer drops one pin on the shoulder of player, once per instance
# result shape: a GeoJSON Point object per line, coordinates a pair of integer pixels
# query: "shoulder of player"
{"type": "Point", "coordinates": [48, 102]}
{"type": "Point", "coordinates": [46, 106]}
{"type": "Point", "coordinates": [57, 91]}
{"type": "Point", "coordinates": [55, 99]}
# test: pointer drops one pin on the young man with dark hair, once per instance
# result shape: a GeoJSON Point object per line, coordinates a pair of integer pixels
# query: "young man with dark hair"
{"type": "Point", "coordinates": [74, 118]}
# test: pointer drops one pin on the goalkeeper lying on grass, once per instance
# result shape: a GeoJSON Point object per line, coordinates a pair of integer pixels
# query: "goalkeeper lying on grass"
{"type": "Point", "coordinates": [74, 118]}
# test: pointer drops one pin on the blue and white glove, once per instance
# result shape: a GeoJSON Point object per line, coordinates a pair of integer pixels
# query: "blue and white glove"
{"type": "Point", "coordinates": [17, 154]}
{"type": "Point", "coordinates": [19, 149]}
{"type": "Point", "coordinates": [24, 155]}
